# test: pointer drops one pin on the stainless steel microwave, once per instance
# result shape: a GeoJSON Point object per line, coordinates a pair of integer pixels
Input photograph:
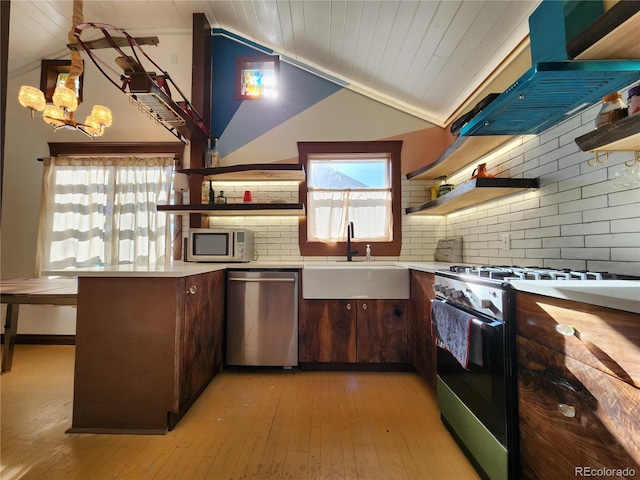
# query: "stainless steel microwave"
{"type": "Point", "coordinates": [213, 245]}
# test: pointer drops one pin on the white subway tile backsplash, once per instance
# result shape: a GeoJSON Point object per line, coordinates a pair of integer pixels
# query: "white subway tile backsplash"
{"type": "Point", "coordinates": [557, 219]}
{"type": "Point", "coordinates": [577, 241]}
{"type": "Point", "coordinates": [610, 213]}
{"type": "Point", "coordinates": [562, 263]}
{"type": "Point", "coordinates": [622, 267]}
{"type": "Point", "coordinates": [585, 205]}
{"type": "Point", "coordinates": [625, 225]}
{"type": "Point", "coordinates": [584, 228]}
{"type": "Point", "coordinates": [586, 253]}
{"type": "Point", "coordinates": [553, 231]}
{"type": "Point", "coordinates": [618, 240]}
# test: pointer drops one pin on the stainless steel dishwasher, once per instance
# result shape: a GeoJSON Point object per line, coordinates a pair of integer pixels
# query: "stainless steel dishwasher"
{"type": "Point", "coordinates": [262, 318]}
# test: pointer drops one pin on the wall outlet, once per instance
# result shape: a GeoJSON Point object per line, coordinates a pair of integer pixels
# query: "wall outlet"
{"type": "Point", "coordinates": [506, 241]}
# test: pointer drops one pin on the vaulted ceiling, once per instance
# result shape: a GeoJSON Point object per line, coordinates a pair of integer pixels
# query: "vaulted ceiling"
{"type": "Point", "coordinates": [423, 57]}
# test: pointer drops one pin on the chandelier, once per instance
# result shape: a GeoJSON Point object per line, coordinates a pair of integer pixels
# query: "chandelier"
{"type": "Point", "coordinates": [65, 102]}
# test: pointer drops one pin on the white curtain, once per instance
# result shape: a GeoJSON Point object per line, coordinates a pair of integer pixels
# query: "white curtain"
{"type": "Point", "coordinates": [329, 212]}
{"type": "Point", "coordinates": [102, 211]}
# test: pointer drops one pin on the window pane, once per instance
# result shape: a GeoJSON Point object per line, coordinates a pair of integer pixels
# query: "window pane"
{"type": "Point", "coordinates": [342, 174]}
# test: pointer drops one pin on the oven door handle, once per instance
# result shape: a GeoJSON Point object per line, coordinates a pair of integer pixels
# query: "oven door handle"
{"type": "Point", "coordinates": [487, 325]}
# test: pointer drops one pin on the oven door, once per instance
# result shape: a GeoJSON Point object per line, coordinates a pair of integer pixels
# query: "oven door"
{"type": "Point", "coordinates": [480, 387]}
{"type": "Point", "coordinates": [472, 401]}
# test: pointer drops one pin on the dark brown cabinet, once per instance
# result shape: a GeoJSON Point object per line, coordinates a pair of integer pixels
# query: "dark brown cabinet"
{"type": "Point", "coordinates": [353, 331]}
{"type": "Point", "coordinates": [145, 349]}
{"type": "Point", "coordinates": [200, 351]}
{"type": "Point", "coordinates": [327, 331]}
{"type": "Point", "coordinates": [578, 395]}
{"type": "Point", "coordinates": [422, 348]}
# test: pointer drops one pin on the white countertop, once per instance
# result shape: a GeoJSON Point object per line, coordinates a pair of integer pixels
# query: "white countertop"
{"type": "Point", "coordinates": [618, 294]}
{"type": "Point", "coordinates": [184, 269]}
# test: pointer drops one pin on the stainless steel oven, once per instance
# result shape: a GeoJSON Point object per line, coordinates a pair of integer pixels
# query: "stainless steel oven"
{"type": "Point", "coordinates": [478, 397]}
{"type": "Point", "coordinates": [477, 394]}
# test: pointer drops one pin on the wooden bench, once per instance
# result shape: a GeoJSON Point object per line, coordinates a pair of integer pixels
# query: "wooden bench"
{"type": "Point", "coordinates": [31, 291]}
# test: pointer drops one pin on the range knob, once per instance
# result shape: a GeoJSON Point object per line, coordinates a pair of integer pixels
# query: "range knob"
{"type": "Point", "coordinates": [457, 294]}
{"type": "Point", "coordinates": [448, 291]}
{"type": "Point", "coordinates": [485, 303]}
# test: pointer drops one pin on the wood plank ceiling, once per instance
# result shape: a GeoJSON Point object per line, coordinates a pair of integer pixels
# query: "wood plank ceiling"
{"type": "Point", "coordinates": [423, 57]}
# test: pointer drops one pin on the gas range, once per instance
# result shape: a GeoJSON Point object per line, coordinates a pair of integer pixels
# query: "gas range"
{"type": "Point", "coordinates": [486, 290]}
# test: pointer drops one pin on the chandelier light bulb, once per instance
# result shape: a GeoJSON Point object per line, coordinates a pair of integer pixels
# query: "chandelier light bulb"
{"type": "Point", "coordinates": [54, 116]}
{"type": "Point", "coordinates": [65, 98]}
{"type": "Point", "coordinates": [31, 97]}
{"type": "Point", "coordinates": [102, 115]}
{"type": "Point", "coordinates": [93, 127]}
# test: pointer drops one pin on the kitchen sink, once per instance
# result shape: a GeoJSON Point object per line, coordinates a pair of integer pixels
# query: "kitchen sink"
{"type": "Point", "coordinates": [344, 280]}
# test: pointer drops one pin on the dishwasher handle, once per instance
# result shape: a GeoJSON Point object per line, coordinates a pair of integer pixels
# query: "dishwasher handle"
{"type": "Point", "coordinates": [260, 280]}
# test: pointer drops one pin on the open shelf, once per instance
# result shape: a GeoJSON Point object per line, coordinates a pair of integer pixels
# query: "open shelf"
{"type": "Point", "coordinates": [473, 192]}
{"type": "Point", "coordinates": [237, 209]}
{"type": "Point", "coordinates": [462, 152]}
{"type": "Point", "coordinates": [623, 135]}
{"type": "Point", "coordinates": [253, 172]}
{"type": "Point", "coordinates": [613, 35]}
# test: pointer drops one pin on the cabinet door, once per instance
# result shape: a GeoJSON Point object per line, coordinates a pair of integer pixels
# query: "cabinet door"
{"type": "Point", "coordinates": [422, 348]}
{"type": "Point", "coordinates": [328, 331]}
{"type": "Point", "coordinates": [382, 331]}
{"type": "Point", "coordinates": [202, 344]}
{"type": "Point", "coordinates": [573, 416]}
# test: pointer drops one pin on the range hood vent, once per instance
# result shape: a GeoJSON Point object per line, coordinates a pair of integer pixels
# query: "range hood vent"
{"type": "Point", "coordinates": [555, 87]}
{"type": "Point", "coordinates": [550, 92]}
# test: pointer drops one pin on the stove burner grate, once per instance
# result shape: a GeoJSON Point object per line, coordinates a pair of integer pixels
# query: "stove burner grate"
{"type": "Point", "coordinates": [500, 272]}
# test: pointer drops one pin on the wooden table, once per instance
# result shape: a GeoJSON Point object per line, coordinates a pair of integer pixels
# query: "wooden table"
{"type": "Point", "coordinates": [33, 291]}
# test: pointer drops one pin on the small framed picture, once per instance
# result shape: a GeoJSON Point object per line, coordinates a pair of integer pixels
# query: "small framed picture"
{"type": "Point", "coordinates": [257, 76]}
{"type": "Point", "coordinates": [54, 73]}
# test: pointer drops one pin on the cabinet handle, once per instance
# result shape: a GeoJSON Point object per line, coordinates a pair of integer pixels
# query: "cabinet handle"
{"type": "Point", "coordinates": [567, 410]}
{"type": "Point", "coordinates": [348, 306]}
{"type": "Point", "coordinates": [192, 290]}
{"type": "Point", "coordinates": [364, 306]}
{"type": "Point", "coordinates": [565, 330]}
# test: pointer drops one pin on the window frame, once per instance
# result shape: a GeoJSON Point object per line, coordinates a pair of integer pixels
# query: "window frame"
{"type": "Point", "coordinates": [338, 249]}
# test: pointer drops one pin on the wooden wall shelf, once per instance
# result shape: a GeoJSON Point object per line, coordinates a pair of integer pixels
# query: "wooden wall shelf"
{"type": "Point", "coordinates": [237, 209]}
{"type": "Point", "coordinates": [473, 192]}
{"type": "Point", "coordinates": [623, 135]}
{"type": "Point", "coordinates": [463, 151]}
{"type": "Point", "coordinates": [253, 172]}
{"type": "Point", "coordinates": [613, 35]}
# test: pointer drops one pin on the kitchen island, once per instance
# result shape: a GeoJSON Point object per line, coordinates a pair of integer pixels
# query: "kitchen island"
{"type": "Point", "coordinates": [148, 341]}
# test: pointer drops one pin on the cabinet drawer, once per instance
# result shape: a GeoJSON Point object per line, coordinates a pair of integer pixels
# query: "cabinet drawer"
{"type": "Point", "coordinates": [572, 415]}
{"type": "Point", "coordinates": [603, 338]}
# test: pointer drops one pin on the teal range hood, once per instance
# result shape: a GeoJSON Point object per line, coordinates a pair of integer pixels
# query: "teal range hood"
{"type": "Point", "coordinates": [556, 87]}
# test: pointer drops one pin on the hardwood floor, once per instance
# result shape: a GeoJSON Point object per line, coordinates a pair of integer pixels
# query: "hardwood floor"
{"type": "Point", "coordinates": [246, 425]}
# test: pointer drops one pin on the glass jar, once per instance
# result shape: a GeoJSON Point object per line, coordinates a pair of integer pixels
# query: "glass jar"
{"type": "Point", "coordinates": [634, 100]}
{"type": "Point", "coordinates": [613, 109]}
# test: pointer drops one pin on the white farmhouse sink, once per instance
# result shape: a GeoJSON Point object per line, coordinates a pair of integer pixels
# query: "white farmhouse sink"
{"type": "Point", "coordinates": [355, 280]}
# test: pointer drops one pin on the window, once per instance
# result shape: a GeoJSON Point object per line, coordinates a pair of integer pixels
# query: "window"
{"type": "Point", "coordinates": [347, 182]}
{"type": "Point", "coordinates": [257, 77]}
{"type": "Point", "coordinates": [102, 211]}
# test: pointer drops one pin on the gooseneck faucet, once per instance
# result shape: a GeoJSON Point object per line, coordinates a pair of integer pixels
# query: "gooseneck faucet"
{"type": "Point", "coordinates": [350, 235]}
